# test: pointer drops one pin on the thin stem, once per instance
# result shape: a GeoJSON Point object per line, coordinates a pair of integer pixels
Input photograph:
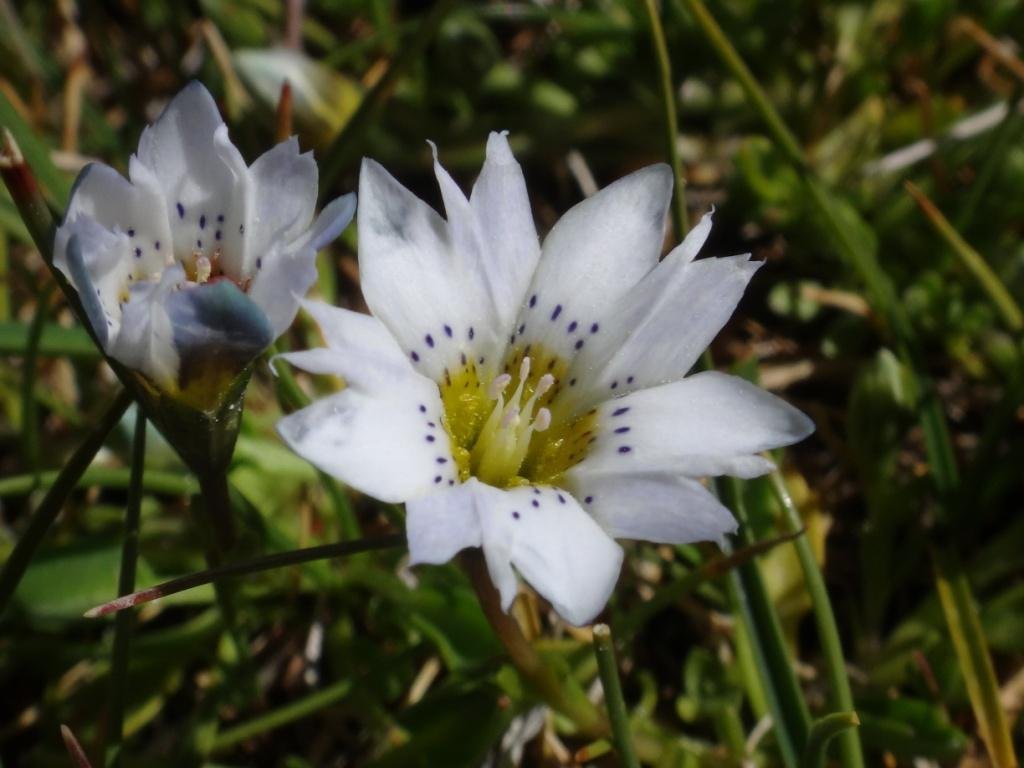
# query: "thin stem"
{"type": "Point", "coordinates": [29, 415]}
{"type": "Point", "coordinates": [75, 751]}
{"type": "Point", "coordinates": [243, 568]}
{"type": "Point", "coordinates": [125, 621]}
{"type": "Point", "coordinates": [54, 341]}
{"type": "Point", "coordinates": [608, 669]}
{"type": "Point", "coordinates": [822, 732]}
{"type": "Point", "coordinates": [971, 259]}
{"type": "Point", "coordinates": [828, 632]}
{"type": "Point", "coordinates": [680, 219]}
{"type": "Point", "coordinates": [348, 144]}
{"type": "Point", "coordinates": [565, 696]}
{"type": "Point", "coordinates": [42, 518]}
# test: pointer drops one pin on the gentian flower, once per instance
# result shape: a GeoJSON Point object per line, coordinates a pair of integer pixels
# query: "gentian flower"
{"type": "Point", "coordinates": [192, 266]}
{"type": "Point", "coordinates": [534, 401]}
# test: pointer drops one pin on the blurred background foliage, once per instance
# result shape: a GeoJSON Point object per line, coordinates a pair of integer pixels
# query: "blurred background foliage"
{"type": "Point", "coordinates": [364, 662]}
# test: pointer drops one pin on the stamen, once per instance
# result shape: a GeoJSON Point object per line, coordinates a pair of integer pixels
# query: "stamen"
{"type": "Point", "coordinates": [498, 386]}
{"type": "Point", "coordinates": [543, 420]}
{"type": "Point", "coordinates": [203, 269]}
{"type": "Point", "coordinates": [511, 416]}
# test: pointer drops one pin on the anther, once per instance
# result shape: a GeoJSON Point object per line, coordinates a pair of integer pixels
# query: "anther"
{"type": "Point", "coordinates": [498, 386]}
{"type": "Point", "coordinates": [203, 269]}
{"type": "Point", "coordinates": [543, 420]}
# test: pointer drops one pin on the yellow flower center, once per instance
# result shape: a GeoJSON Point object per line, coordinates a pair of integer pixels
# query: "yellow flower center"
{"type": "Point", "coordinates": [502, 431]}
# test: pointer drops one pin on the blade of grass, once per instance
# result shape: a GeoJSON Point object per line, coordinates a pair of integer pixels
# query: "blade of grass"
{"type": "Point", "coordinates": [125, 621]}
{"type": "Point", "coordinates": [822, 732]}
{"type": "Point", "coordinates": [29, 414]}
{"type": "Point", "coordinates": [970, 258]}
{"type": "Point", "coordinates": [828, 632]}
{"type": "Point", "coordinates": [243, 568]}
{"type": "Point", "coordinates": [608, 669]}
{"type": "Point", "coordinates": [155, 481]}
{"type": "Point", "coordinates": [785, 699]}
{"type": "Point", "coordinates": [961, 612]}
{"type": "Point", "coordinates": [36, 153]}
{"type": "Point", "coordinates": [680, 219]}
{"type": "Point", "coordinates": [42, 518]}
{"type": "Point", "coordinates": [54, 341]}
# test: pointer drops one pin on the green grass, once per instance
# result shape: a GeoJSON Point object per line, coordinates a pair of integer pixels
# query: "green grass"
{"type": "Point", "coordinates": [897, 331]}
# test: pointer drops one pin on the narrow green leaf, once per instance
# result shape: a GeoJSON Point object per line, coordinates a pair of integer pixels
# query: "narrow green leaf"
{"type": "Point", "coordinates": [822, 732]}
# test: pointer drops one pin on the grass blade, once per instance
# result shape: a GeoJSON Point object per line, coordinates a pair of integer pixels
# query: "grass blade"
{"type": "Point", "coordinates": [43, 517]}
{"type": "Point", "coordinates": [608, 669]}
{"type": "Point", "coordinates": [822, 732]}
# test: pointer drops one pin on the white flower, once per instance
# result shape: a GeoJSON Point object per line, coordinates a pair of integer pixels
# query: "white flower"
{"type": "Point", "coordinates": [534, 400]}
{"type": "Point", "coordinates": [197, 262]}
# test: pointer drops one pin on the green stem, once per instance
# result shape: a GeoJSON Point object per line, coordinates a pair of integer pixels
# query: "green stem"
{"type": "Point", "coordinates": [828, 632]}
{"type": "Point", "coordinates": [29, 415]}
{"type": "Point", "coordinates": [348, 145]}
{"type": "Point", "coordinates": [971, 259]}
{"type": "Point", "coordinates": [790, 711]}
{"type": "Point", "coordinates": [564, 696]}
{"type": "Point", "coordinates": [608, 669]}
{"type": "Point", "coordinates": [54, 341]}
{"type": "Point", "coordinates": [42, 518]}
{"type": "Point", "coordinates": [245, 567]}
{"type": "Point", "coordinates": [156, 481]}
{"type": "Point", "coordinates": [822, 732]}
{"type": "Point", "coordinates": [125, 621]}
{"type": "Point", "coordinates": [680, 219]}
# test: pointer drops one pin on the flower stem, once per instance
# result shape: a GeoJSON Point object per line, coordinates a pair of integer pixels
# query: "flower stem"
{"type": "Point", "coordinates": [604, 651]}
{"type": "Point", "coordinates": [29, 416]}
{"type": "Point", "coordinates": [565, 696]}
{"type": "Point", "coordinates": [42, 518]}
{"type": "Point", "coordinates": [680, 219]}
{"type": "Point", "coordinates": [822, 732]}
{"type": "Point", "coordinates": [828, 633]}
{"type": "Point", "coordinates": [245, 567]}
{"type": "Point", "coordinates": [155, 481]}
{"type": "Point", "coordinates": [125, 622]}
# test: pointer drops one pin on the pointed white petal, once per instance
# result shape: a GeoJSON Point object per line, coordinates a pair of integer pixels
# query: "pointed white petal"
{"type": "Point", "coordinates": [656, 506]}
{"type": "Point", "coordinates": [553, 543]}
{"type": "Point", "coordinates": [657, 332]}
{"type": "Point", "coordinates": [284, 184]}
{"type": "Point", "coordinates": [688, 249]}
{"type": "Point", "coordinates": [284, 274]}
{"type": "Point", "coordinates": [204, 180]}
{"type": "Point", "coordinates": [386, 442]}
{"type": "Point", "coordinates": [442, 524]}
{"type": "Point", "coordinates": [596, 252]}
{"type": "Point", "coordinates": [706, 424]}
{"type": "Point", "coordinates": [511, 248]}
{"type": "Point", "coordinates": [96, 262]}
{"type": "Point", "coordinates": [146, 338]}
{"type": "Point", "coordinates": [414, 279]}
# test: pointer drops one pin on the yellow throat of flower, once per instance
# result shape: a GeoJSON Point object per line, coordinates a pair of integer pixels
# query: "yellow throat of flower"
{"type": "Point", "coordinates": [514, 441]}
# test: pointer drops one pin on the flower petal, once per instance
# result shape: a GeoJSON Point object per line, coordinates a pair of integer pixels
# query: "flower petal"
{"type": "Point", "coordinates": [706, 424]}
{"type": "Point", "coordinates": [657, 332]}
{"type": "Point", "coordinates": [95, 261]}
{"type": "Point", "coordinates": [511, 248]}
{"type": "Point", "coordinates": [595, 253]}
{"type": "Point", "coordinates": [284, 185]}
{"type": "Point", "coordinates": [652, 506]}
{"type": "Point", "coordinates": [205, 182]}
{"type": "Point", "coordinates": [413, 278]}
{"type": "Point", "coordinates": [146, 338]}
{"type": "Point", "coordinates": [553, 543]}
{"type": "Point", "coordinates": [442, 524]}
{"type": "Point", "coordinates": [284, 275]}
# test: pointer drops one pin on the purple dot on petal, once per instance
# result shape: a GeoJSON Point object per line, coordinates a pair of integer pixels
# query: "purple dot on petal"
{"type": "Point", "coordinates": [480, 360]}
{"type": "Point", "coordinates": [451, 482]}
{"type": "Point", "coordinates": [533, 301]}
{"type": "Point", "coordinates": [515, 514]}
{"type": "Point", "coordinates": [202, 221]}
{"type": "Point", "coordinates": [217, 234]}
{"type": "Point", "coordinates": [429, 339]}
{"type": "Point", "coordinates": [259, 262]}
{"type": "Point", "coordinates": [588, 499]}
{"type": "Point", "coordinates": [431, 438]}
{"type": "Point", "coordinates": [431, 424]}
{"type": "Point", "coordinates": [615, 384]}
{"type": "Point", "coordinates": [557, 312]}
{"type": "Point", "coordinates": [578, 344]}
{"type": "Point", "coordinates": [622, 430]}
{"type": "Point", "coordinates": [624, 449]}
{"type": "Point", "coordinates": [593, 328]}
{"type": "Point", "coordinates": [536, 490]}
{"type": "Point", "coordinates": [131, 232]}
{"type": "Point", "coordinates": [629, 380]}
{"type": "Point", "coordinates": [472, 333]}
{"type": "Point", "coordinates": [572, 382]}
{"type": "Point", "coordinates": [522, 328]}
{"type": "Point", "coordinates": [438, 479]}
{"type": "Point", "coordinates": [415, 357]}
{"type": "Point", "coordinates": [441, 460]}
{"type": "Point", "coordinates": [220, 218]}
{"type": "Point", "coordinates": [620, 411]}
{"type": "Point", "coordinates": [572, 326]}
{"type": "Point", "coordinates": [561, 499]}
{"type": "Point", "coordinates": [536, 503]}
{"type": "Point", "coordinates": [448, 331]}
{"type": "Point", "coordinates": [181, 211]}
{"type": "Point", "coordinates": [156, 245]}
{"type": "Point", "coordinates": [423, 408]}
{"type": "Point", "coordinates": [241, 229]}
{"type": "Point", "coordinates": [138, 253]}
